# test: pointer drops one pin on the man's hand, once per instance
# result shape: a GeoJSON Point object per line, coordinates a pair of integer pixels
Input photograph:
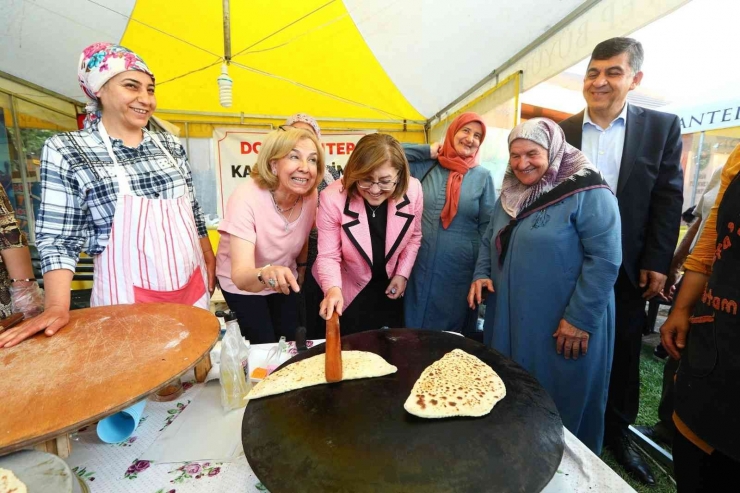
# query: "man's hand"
{"type": "Point", "coordinates": [570, 340]}
{"type": "Point", "coordinates": [669, 290]}
{"type": "Point", "coordinates": [652, 281]}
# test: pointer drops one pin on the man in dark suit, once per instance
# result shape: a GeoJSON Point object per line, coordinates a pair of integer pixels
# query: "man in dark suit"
{"type": "Point", "coordinates": [638, 151]}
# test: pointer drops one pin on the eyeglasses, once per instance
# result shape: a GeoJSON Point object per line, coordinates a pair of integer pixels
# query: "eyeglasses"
{"type": "Point", "coordinates": [383, 185]}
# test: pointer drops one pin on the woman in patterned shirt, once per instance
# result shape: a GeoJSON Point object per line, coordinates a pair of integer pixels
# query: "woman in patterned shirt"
{"type": "Point", "coordinates": [16, 273]}
{"type": "Point", "coordinates": [122, 193]}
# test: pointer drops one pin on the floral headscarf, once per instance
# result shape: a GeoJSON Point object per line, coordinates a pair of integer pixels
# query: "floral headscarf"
{"type": "Point", "coordinates": [302, 117]}
{"type": "Point", "coordinates": [569, 172]}
{"type": "Point", "coordinates": [565, 162]}
{"type": "Point", "coordinates": [99, 63]}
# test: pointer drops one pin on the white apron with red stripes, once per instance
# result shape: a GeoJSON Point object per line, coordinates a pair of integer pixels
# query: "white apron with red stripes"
{"type": "Point", "coordinates": [154, 253]}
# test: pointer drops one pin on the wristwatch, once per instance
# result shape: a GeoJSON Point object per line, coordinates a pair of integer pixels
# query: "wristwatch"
{"type": "Point", "coordinates": [259, 273]}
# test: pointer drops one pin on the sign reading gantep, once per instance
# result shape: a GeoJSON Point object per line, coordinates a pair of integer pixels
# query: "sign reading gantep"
{"type": "Point", "coordinates": [237, 150]}
{"type": "Point", "coordinates": [709, 116]}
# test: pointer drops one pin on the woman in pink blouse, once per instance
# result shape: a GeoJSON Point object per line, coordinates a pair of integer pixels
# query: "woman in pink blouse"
{"type": "Point", "coordinates": [264, 235]}
{"type": "Point", "coordinates": [369, 234]}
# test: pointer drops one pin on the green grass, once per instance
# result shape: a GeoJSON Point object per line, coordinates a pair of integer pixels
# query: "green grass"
{"type": "Point", "coordinates": [651, 386]}
{"type": "Point", "coordinates": [651, 381]}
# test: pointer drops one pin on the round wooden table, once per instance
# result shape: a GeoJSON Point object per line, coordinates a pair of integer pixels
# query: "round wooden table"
{"type": "Point", "coordinates": [104, 360]}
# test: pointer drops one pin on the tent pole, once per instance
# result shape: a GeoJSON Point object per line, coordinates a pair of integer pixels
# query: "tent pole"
{"type": "Point", "coordinates": [242, 116]}
{"type": "Point", "coordinates": [227, 31]}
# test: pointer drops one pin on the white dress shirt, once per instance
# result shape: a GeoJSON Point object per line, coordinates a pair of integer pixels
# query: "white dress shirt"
{"type": "Point", "coordinates": [604, 146]}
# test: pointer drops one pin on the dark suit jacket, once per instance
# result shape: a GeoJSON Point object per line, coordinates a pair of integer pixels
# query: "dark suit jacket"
{"type": "Point", "coordinates": [650, 188]}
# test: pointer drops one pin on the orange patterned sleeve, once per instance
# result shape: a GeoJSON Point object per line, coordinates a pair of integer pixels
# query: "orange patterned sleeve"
{"type": "Point", "coordinates": [702, 256]}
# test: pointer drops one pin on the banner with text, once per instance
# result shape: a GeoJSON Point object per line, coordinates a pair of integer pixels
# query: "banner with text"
{"type": "Point", "coordinates": [706, 116]}
{"type": "Point", "coordinates": [237, 150]}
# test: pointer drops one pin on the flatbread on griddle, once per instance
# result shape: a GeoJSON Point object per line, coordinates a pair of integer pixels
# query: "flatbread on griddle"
{"type": "Point", "coordinates": [9, 482]}
{"type": "Point", "coordinates": [311, 371]}
{"type": "Point", "coordinates": [459, 384]}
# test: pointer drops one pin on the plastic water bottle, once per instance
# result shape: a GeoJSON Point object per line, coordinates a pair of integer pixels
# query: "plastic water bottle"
{"type": "Point", "coordinates": [221, 316]}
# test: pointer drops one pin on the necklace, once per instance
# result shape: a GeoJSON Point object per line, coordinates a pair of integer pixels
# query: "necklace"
{"type": "Point", "coordinates": [282, 211]}
{"type": "Point", "coordinates": [371, 208]}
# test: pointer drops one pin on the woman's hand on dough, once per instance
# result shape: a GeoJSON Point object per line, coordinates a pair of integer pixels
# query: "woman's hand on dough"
{"type": "Point", "coordinates": [50, 321]}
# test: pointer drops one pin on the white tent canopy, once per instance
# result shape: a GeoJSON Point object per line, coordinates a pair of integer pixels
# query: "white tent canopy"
{"type": "Point", "coordinates": [432, 51]}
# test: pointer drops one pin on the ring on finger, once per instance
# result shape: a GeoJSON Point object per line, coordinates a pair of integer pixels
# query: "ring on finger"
{"type": "Point", "coordinates": [272, 282]}
{"type": "Point", "coordinates": [393, 290]}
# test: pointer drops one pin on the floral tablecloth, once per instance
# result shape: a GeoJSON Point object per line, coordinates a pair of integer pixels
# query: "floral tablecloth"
{"type": "Point", "coordinates": [117, 468]}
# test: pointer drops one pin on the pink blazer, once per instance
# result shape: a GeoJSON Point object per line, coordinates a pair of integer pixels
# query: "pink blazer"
{"type": "Point", "coordinates": [345, 250]}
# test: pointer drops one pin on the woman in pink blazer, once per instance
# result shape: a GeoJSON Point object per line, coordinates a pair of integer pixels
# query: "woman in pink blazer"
{"type": "Point", "coordinates": [369, 234]}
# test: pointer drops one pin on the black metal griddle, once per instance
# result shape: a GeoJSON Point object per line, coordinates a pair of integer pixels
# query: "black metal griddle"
{"type": "Point", "coordinates": [355, 436]}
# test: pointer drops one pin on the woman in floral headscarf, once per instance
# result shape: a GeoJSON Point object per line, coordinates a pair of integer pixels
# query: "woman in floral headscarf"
{"type": "Point", "coordinates": [122, 193]}
{"type": "Point", "coordinates": [458, 201]}
{"type": "Point", "coordinates": [552, 253]}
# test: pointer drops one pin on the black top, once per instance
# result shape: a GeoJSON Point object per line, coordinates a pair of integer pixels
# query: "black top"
{"type": "Point", "coordinates": [707, 380]}
{"type": "Point", "coordinates": [377, 219]}
{"type": "Point", "coordinates": [372, 309]}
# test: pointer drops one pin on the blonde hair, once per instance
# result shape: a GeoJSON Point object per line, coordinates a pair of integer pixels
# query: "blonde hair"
{"type": "Point", "coordinates": [373, 151]}
{"type": "Point", "coordinates": [277, 145]}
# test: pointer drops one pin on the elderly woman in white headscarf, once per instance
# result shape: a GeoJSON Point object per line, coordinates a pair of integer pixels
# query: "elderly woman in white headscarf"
{"type": "Point", "coordinates": [550, 257]}
{"type": "Point", "coordinates": [122, 193]}
{"type": "Point", "coordinates": [312, 294]}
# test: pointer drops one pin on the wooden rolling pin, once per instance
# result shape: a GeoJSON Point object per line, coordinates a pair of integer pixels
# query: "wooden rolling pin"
{"type": "Point", "coordinates": [333, 350]}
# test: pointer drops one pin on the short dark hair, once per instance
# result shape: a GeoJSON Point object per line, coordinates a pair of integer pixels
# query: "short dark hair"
{"type": "Point", "coordinates": [616, 46]}
{"type": "Point", "coordinates": [371, 152]}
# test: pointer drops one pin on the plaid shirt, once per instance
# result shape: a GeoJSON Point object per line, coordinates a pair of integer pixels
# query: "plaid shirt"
{"type": "Point", "coordinates": [80, 189]}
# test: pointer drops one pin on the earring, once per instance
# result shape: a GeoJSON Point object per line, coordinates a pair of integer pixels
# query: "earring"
{"type": "Point", "coordinates": [274, 171]}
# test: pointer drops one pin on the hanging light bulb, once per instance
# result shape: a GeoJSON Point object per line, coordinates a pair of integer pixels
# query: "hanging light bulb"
{"type": "Point", "coordinates": [224, 86]}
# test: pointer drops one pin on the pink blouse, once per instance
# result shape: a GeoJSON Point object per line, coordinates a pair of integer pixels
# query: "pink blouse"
{"type": "Point", "coordinates": [251, 215]}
